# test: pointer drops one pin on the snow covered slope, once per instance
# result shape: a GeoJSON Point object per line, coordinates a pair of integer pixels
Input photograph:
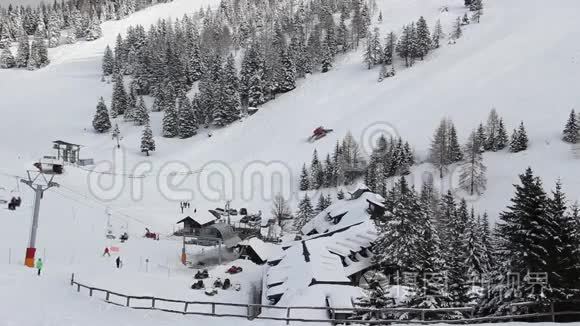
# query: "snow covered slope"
{"type": "Point", "coordinates": [522, 59]}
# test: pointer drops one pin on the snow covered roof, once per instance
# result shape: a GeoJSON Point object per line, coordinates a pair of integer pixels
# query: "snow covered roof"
{"type": "Point", "coordinates": [328, 256]}
{"type": "Point", "coordinates": [342, 213]}
{"type": "Point", "coordinates": [201, 219]}
{"type": "Point", "coordinates": [262, 249]}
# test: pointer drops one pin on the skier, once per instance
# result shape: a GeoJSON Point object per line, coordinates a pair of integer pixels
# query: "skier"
{"type": "Point", "coordinates": [106, 252]}
{"type": "Point", "coordinates": [319, 133]}
{"type": "Point", "coordinates": [39, 265]}
{"type": "Point", "coordinates": [118, 262]}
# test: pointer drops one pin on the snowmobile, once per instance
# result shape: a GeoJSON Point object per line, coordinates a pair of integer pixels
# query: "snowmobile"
{"type": "Point", "coordinates": [211, 292]}
{"type": "Point", "coordinates": [124, 237]}
{"type": "Point", "coordinates": [218, 283]}
{"type": "Point", "coordinates": [318, 133]}
{"type": "Point", "coordinates": [234, 270]}
{"type": "Point", "coordinates": [201, 275]}
{"type": "Point", "coordinates": [199, 285]}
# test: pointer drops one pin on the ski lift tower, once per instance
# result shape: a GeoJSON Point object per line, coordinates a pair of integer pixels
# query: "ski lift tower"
{"type": "Point", "coordinates": [39, 189]}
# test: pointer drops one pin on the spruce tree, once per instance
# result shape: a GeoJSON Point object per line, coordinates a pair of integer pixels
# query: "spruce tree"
{"type": "Point", "coordinates": [141, 114]}
{"type": "Point", "coordinates": [108, 62]}
{"type": "Point", "coordinates": [101, 121]}
{"type": "Point", "coordinates": [389, 48]}
{"type": "Point", "coordinates": [288, 74]}
{"type": "Point", "coordinates": [170, 120]}
{"type": "Point", "coordinates": [305, 213]}
{"type": "Point", "coordinates": [23, 52]}
{"type": "Point", "coordinates": [120, 101]}
{"type": "Point", "coordinates": [571, 129]}
{"type": "Point", "coordinates": [187, 126]}
{"type": "Point", "coordinates": [424, 42]}
{"type": "Point", "coordinates": [304, 179]}
{"type": "Point", "coordinates": [502, 136]}
{"type": "Point", "coordinates": [519, 140]}
{"type": "Point", "coordinates": [454, 151]}
{"type": "Point", "coordinates": [7, 60]}
{"type": "Point", "coordinates": [316, 172]}
{"type": "Point", "coordinates": [437, 34]}
{"type": "Point", "coordinates": [147, 141]}
{"type": "Point", "coordinates": [457, 32]}
{"type": "Point", "coordinates": [492, 131]}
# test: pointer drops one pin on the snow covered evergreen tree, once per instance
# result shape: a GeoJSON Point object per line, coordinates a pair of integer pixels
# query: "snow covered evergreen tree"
{"type": "Point", "coordinates": [457, 32]}
{"type": "Point", "coordinates": [120, 101]}
{"type": "Point", "coordinates": [101, 121]}
{"type": "Point", "coordinates": [424, 42]}
{"type": "Point", "coordinates": [108, 62]}
{"type": "Point", "coordinates": [519, 140]}
{"type": "Point", "coordinates": [141, 114]}
{"type": "Point", "coordinates": [389, 48]}
{"type": "Point", "coordinates": [187, 126]}
{"type": "Point", "coordinates": [437, 34]}
{"type": "Point", "coordinates": [7, 60]}
{"type": "Point", "coordinates": [305, 213]}
{"type": "Point", "coordinates": [439, 151]}
{"type": "Point", "coordinates": [304, 179]}
{"type": "Point", "coordinates": [170, 120]}
{"type": "Point", "coordinates": [147, 141]}
{"type": "Point", "coordinates": [23, 52]}
{"type": "Point", "coordinates": [571, 129]}
{"type": "Point", "coordinates": [316, 172]}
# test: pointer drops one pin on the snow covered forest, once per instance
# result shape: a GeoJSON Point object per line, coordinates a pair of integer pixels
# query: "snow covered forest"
{"type": "Point", "coordinates": [274, 43]}
{"type": "Point", "coordinates": [50, 25]}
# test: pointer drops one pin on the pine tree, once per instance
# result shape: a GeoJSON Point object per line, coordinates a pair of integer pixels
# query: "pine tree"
{"type": "Point", "coordinates": [327, 58]}
{"type": "Point", "coordinates": [519, 140]}
{"type": "Point", "coordinates": [316, 172]}
{"type": "Point", "coordinates": [170, 120]}
{"type": "Point", "coordinates": [147, 141]}
{"type": "Point", "coordinates": [304, 179]}
{"type": "Point", "coordinates": [93, 30]}
{"type": "Point", "coordinates": [502, 136]}
{"type": "Point", "coordinates": [120, 101]}
{"type": "Point", "coordinates": [23, 52]}
{"type": "Point", "coordinates": [456, 256]}
{"type": "Point", "coordinates": [101, 121]}
{"type": "Point", "coordinates": [437, 34]}
{"type": "Point", "coordinates": [571, 130]}
{"type": "Point", "coordinates": [108, 62]}
{"type": "Point", "coordinates": [492, 131]}
{"type": "Point", "coordinates": [305, 213]}
{"type": "Point", "coordinates": [141, 114]}
{"type": "Point", "coordinates": [399, 238]}
{"type": "Point", "coordinates": [389, 48]}
{"type": "Point", "coordinates": [454, 151]}
{"type": "Point", "coordinates": [288, 74]}
{"type": "Point", "coordinates": [187, 126]}
{"type": "Point", "coordinates": [457, 32]}
{"type": "Point", "coordinates": [424, 42]}
{"type": "Point", "coordinates": [322, 204]}
{"type": "Point", "coordinates": [472, 177]}
{"type": "Point", "coordinates": [6, 59]}
{"type": "Point", "coordinates": [407, 44]}
{"type": "Point", "coordinates": [481, 137]}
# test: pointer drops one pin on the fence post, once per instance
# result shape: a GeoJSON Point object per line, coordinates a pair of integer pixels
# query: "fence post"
{"type": "Point", "coordinates": [552, 310]}
{"type": "Point", "coordinates": [248, 312]}
{"type": "Point", "coordinates": [185, 308]}
{"type": "Point", "coordinates": [107, 294]}
{"type": "Point", "coordinates": [128, 298]}
{"type": "Point", "coordinates": [288, 316]}
{"type": "Point", "coordinates": [422, 315]}
{"type": "Point", "coordinates": [213, 308]}
{"type": "Point", "coordinates": [78, 287]}
{"type": "Point", "coordinates": [90, 292]}
{"type": "Point", "coordinates": [153, 302]}
{"type": "Point", "coordinates": [72, 279]}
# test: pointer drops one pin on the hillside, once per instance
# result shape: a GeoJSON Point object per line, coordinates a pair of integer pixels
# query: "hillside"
{"type": "Point", "coordinates": [523, 59]}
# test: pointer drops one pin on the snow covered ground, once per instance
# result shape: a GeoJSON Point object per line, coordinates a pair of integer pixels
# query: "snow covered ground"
{"type": "Point", "coordinates": [522, 59]}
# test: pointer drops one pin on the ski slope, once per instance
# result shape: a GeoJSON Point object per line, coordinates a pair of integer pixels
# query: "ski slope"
{"type": "Point", "coordinates": [522, 59]}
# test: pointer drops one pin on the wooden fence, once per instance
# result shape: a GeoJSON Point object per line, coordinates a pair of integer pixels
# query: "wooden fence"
{"type": "Point", "coordinates": [334, 315]}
